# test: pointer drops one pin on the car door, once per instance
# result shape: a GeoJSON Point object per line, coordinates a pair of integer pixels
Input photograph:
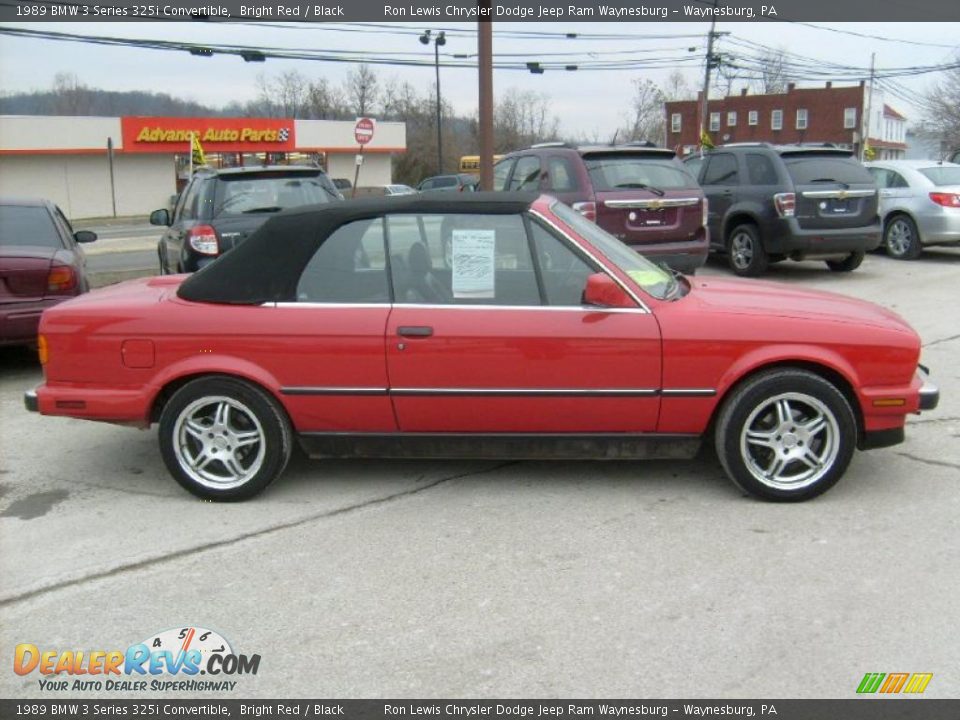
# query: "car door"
{"type": "Point", "coordinates": [184, 218]}
{"type": "Point", "coordinates": [720, 179]}
{"type": "Point", "coordinates": [495, 340]}
{"type": "Point", "coordinates": [895, 192]}
{"type": "Point", "coordinates": [326, 346]}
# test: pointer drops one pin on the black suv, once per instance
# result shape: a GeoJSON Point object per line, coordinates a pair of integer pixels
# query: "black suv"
{"type": "Point", "coordinates": [775, 202]}
{"type": "Point", "coordinates": [639, 193]}
{"type": "Point", "coordinates": [218, 209]}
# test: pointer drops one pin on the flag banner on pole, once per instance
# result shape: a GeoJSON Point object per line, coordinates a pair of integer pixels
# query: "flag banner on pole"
{"type": "Point", "coordinates": [196, 150]}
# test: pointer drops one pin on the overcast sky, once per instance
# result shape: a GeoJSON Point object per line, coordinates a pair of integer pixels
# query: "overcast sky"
{"type": "Point", "coordinates": [586, 102]}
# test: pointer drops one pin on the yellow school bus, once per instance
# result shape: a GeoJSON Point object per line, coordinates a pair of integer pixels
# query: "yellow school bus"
{"type": "Point", "coordinates": [471, 163]}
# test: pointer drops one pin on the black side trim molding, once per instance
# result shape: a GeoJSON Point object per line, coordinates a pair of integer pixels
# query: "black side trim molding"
{"type": "Point", "coordinates": [513, 446]}
{"type": "Point", "coordinates": [501, 392]}
{"type": "Point", "coordinates": [331, 391]}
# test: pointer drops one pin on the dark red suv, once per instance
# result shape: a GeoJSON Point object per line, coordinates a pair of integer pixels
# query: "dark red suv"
{"type": "Point", "coordinates": [641, 195]}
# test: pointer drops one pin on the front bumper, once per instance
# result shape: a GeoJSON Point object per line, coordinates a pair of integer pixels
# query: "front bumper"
{"type": "Point", "coordinates": [30, 401]}
{"type": "Point", "coordinates": [929, 393]}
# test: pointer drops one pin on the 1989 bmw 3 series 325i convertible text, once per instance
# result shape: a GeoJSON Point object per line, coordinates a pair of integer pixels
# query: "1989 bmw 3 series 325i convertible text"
{"type": "Point", "coordinates": [485, 325]}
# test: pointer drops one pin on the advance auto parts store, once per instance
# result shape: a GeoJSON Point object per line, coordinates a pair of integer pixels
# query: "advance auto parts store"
{"type": "Point", "coordinates": [65, 159]}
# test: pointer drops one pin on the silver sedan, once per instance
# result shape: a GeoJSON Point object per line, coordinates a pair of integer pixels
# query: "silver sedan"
{"type": "Point", "coordinates": [919, 204]}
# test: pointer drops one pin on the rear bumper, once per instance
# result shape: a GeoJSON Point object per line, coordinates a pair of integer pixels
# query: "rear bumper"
{"type": "Point", "coordinates": [19, 321]}
{"type": "Point", "coordinates": [788, 238]}
{"type": "Point", "coordinates": [116, 405]}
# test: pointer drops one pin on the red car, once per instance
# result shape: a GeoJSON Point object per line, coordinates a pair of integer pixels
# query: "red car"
{"type": "Point", "coordinates": [41, 264]}
{"type": "Point", "coordinates": [535, 334]}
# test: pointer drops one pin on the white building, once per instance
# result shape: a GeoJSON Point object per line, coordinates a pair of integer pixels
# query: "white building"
{"type": "Point", "coordinates": [66, 159]}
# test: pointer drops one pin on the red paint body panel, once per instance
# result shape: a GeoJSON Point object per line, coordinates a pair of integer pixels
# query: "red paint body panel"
{"type": "Point", "coordinates": [310, 357]}
{"type": "Point", "coordinates": [525, 348]}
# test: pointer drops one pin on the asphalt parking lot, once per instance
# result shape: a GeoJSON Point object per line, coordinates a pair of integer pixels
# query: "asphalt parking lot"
{"type": "Point", "coordinates": [478, 579]}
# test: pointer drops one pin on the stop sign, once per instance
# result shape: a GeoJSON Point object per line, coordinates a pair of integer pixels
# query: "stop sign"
{"type": "Point", "coordinates": [363, 130]}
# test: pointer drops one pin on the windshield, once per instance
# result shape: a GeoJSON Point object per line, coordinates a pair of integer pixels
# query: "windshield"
{"type": "Point", "coordinates": [808, 168]}
{"type": "Point", "coordinates": [943, 175]}
{"type": "Point", "coordinates": [271, 193]}
{"type": "Point", "coordinates": [27, 225]}
{"type": "Point", "coordinates": [652, 278]}
{"type": "Point", "coordinates": [613, 171]}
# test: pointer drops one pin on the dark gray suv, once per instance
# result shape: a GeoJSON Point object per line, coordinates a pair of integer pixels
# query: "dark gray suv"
{"type": "Point", "coordinates": [799, 202]}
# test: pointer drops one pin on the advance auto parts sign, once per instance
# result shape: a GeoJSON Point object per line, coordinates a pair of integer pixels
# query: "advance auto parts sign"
{"type": "Point", "coordinates": [163, 135]}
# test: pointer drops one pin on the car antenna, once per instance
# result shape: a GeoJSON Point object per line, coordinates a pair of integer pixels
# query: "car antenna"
{"type": "Point", "coordinates": [613, 141]}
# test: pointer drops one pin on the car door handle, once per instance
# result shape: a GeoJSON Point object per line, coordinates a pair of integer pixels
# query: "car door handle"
{"type": "Point", "coordinates": [414, 331]}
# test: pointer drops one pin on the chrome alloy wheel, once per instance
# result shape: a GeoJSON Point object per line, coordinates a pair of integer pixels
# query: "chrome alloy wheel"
{"type": "Point", "coordinates": [899, 237]}
{"type": "Point", "coordinates": [790, 441]}
{"type": "Point", "coordinates": [219, 442]}
{"type": "Point", "coordinates": [741, 250]}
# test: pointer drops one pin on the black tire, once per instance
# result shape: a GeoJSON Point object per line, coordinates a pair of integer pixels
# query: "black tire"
{"type": "Point", "coordinates": [901, 238]}
{"type": "Point", "coordinates": [780, 408]}
{"type": "Point", "coordinates": [238, 437]}
{"type": "Point", "coordinates": [850, 263]}
{"type": "Point", "coordinates": [745, 251]}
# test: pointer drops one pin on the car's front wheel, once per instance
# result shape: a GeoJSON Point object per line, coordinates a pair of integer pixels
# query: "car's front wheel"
{"type": "Point", "coordinates": [786, 434]}
{"type": "Point", "coordinates": [745, 251]}
{"type": "Point", "coordinates": [902, 239]}
{"type": "Point", "coordinates": [224, 439]}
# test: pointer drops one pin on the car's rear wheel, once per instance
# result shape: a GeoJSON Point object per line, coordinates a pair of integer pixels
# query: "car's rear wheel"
{"type": "Point", "coordinates": [224, 439]}
{"type": "Point", "coordinates": [850, 263]}
{"type": "Point", "coordinates": [745, 251]}
{"type": "Point", "coordinates": [786, 434]}
{"type": "Point", "coordinates": [902, 239]}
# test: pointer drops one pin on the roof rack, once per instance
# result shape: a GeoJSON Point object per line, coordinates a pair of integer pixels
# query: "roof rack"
{"type": "Point", "coordinates": [552, 143]}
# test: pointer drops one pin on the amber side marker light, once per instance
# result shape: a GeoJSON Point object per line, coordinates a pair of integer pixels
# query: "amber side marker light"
{"type": "Point", "coordinates": [889, 402]}
{"type": "Point", "coordinates": [43, 351]}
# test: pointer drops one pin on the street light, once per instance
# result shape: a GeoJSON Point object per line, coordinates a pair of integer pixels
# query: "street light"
{"type": "Point", "coordinates": [438, 41]}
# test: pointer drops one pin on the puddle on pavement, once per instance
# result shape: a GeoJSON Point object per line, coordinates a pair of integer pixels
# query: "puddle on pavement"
{"type": "Point", "coordinates": [36, 505]}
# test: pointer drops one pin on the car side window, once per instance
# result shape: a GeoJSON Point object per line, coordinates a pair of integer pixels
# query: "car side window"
{"type": "Point", "coordinates": [896, 180]}
{"type": "Point", "coordinates": [64, 225]}
{"type": "Point", "coordinates": [461, 259]}
{"type": "Point", "coordinates": [349, 267]}
{"type": "Point", "coordinates": [760, 170]}
{"type": "Point", "coordinates": [560, 175]}
{"type": "Point", "coordinates": [501, 171]}
{"type": "Point", "coordinates": [563, 272]}
{"type": "Point", "coordinates": [190, 201]}
{"type": "Point", "coordinates": [694, 165]}
{"type": "Point", "coordinates": [721, 170]}
{"type": "Point", "coordinates": [526, 176]}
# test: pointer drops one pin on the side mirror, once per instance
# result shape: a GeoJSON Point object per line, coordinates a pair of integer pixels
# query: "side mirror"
{"type": "Point", "coordinates": [84, 236]}
{"type": "Point", "coordinates": [603, 291]}
{"type": "Point", "coordinates": [160, 217]}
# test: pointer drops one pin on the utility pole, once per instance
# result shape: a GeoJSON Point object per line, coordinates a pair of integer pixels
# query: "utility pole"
{"type": "Point", "coordinates": [866, 118]}
{"type": "Point", "coordinates": [485, 66]}
{"type": "Point", "coordinates": [706, 75]}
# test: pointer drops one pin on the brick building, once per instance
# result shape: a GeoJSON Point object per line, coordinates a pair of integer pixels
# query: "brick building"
{"type": "Point", "coordinates": [800, 115]}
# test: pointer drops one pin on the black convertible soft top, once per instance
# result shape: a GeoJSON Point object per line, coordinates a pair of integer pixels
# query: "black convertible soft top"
{"type": "Point", "coordinates": [268, 265]}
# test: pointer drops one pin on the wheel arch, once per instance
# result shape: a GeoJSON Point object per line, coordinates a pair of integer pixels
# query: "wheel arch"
{"type": "Point", "coordinates": [839, 374]}
{"type": "Point", "coordinates": [739, 216]}
{"type": "Point", "coordinates": [229, 368]}
{"type": "Point", "coordinates": [896, 212]}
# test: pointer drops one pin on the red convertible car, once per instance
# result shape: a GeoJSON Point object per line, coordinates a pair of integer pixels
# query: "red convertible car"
{"type": "Point", "coordinates": [477, 326]}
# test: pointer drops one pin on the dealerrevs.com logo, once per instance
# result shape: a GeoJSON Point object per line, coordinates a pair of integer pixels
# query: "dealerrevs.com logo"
{"type": "Point", "coordinates": [170, 661]}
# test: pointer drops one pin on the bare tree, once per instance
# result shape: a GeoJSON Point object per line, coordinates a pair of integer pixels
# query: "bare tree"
{"type": "Point", "coordinates": [773, 77]}
{"type": "Point", "coordinates": [70, 96]}
{"type": "Point", "coordinates": [522, 118]}
{"type": "Point", "coordinates": [942, 108]}
{"type": "Point", "coordinates": [678, 88]}
{"type": "Point", "coordinates": [645, 120]}
{"type": "Point", "coordinates": [362, 89]}
{"type": "Point", "coordinates": [324, 101]}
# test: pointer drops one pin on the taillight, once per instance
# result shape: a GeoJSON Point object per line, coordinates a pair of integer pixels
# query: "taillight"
{"type": "Point", "coordinates": [945, 199]}
{"type": "Point", "coordinates": [203, 239]}
{"type": "Point", "coordinates": [587, 209]}
{"type": "Point", "coordinates": [786, 204]}
{"type": "Point", "coordinates": [43, 350]}
{"type": "Point", "coordinates": [61, 278]}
